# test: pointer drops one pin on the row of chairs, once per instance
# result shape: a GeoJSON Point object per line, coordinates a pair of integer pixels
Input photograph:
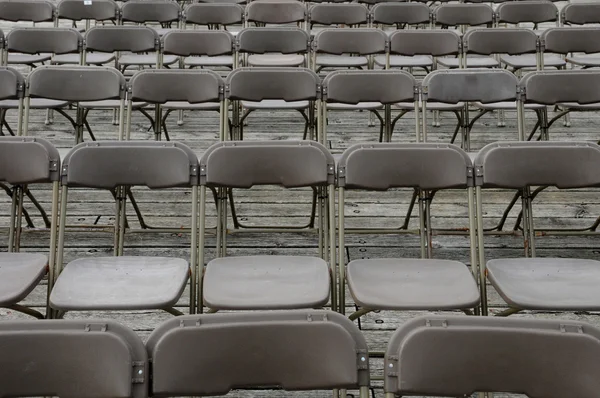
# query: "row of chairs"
{"type": "Point", "coordinates": [210, 355]}
{"type": "Point", "coordinates": [276, 282]}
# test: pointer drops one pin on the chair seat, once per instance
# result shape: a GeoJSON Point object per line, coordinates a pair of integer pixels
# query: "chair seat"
{"type": "Point", "coordinates": [27, 59]}
{"type": "Point", "coordinates": [506, 105]}
{"type": "Point", "coordinates": [276, 60]}
{"type": "Point", "coordinates": [529, 61]}
{"type": "Point", "coordinates": [411, 284]}
{"type": "Point", "coordinates": [352, 107]}
{"type": "Point", "coordinates": [35, 103]}
{"type": "Point", "coordinates": [432, 106]}
{"type": "Point", "coordinates": [223, 60]}
{"type": "Point", "coordinates": [560, 284]}
{"type": "Point", "coordinates": [580, 107]}
{"type": "Point", "coordinates": [109, 104]}
{"type": "Point", "coordinates": [145, 59]}
{"type": "Point", "coordinates": [275, 104]}
{"type": "Point", "coordinates": [266, 282]}
{"type": "Point", "coordinates": [19, 275]}
{"type": "Point", "coordinates": [472, 62]}
{"type": "Point", "coordinates": [340, 61]}
{"type": "Point", "coordinates": [90, 59]}
{"type": "Point", "coordinates": [585, 60]}
{"type": "Point", "coordinates": [205, 106]}
{"type": "Point", "coordinates": [119, 283]}
{"type": "Point", "coordinates": [401, 61]}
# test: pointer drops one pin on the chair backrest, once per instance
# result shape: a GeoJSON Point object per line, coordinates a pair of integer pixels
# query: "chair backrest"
{"type": "Point", "coordinates": [275, 11]}
{"type": "Point", "coordinates": [162, 85]}
{"type": "Point", "coordinates": [98, 10]}
{"type": "Point", "coordinates": [580, 13]}
{"type": "Point", "coordinates": [488, 41]}
{"type": "Point", "coordinates": [572, 39]}
{"type": "Point", "coordinates": [109, 164]}
{"type": "Point", "coordinates": [141, 11]}
{"type": "Point", "coordinates": [482, 85]}
{"type": "Point", "coordinates": [122, 38]}
{"type": "Point", "coordinates": [436, 42]}
{"type": "Point", "coordinates": [360, 41]}
{"type": "Point", "coordinates": [467, 14]}
{"type": "Point", "coordinates": [294, 350]}
{"type": "Point", "coordinates": [273, 40]}
{"type": "Point", "coordinates": [400, 13]}
{"type": "Point", "coordinates": [552, 87]}
{"type": "Point", "coordinates": [380, 167]}
{"type": "Point", "coordinates": [88, 359]}
{"type": "Point", "coordinates": [27, 10]}
{"type": "Point", "coordinates": [76, 83]}
{"type": "Point", "coordinates": [198, 42]}
{"type": "Point", "coordinates": [450, 356]}
{"type": "Point", "coordinates": [12, 83]}
{"type": "Point", "coordinates": [44, 40]}
{"type": "Point", "coordinates": [27, 160]}
{"type": "Point", "coordinates": [244, 164]}
{"type": "Point", "coordinates": [214, 14]}
{"type": "Point", "coordinates": [521, 164]}
{"type": "Point", "coordinates": [533, 11]}
{"type": "Point", "coordinates": [257, 84]}
{"type": "Point", "coordinates": [338, 14]}
{"type": "Point", "coordinates": [385, 86]}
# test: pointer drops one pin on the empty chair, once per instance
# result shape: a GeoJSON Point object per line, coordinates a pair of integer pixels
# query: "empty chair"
{"type": "Point", "coordinates": [34, 11]}
{"type": "Point", "coordinates": [125, 282]}
{"type": "Point", "coordinates": [202, 355]}
{"type": "Point", "coordinates": [558, 284]}
{"type": "Point", "coordinates": [347, 48]}
{"type": "Point", "coordinates": [332, 14]}
{"type": "Point", "coordinates": [106, 359]}
{"type": "Point", "coordinates": [273, 88]}
{"type": "Point", "coordinates": [275, 12]}
{"type": "Point", "coordinates": [12, 98]}
{"type": "Point", "coordinates": [172, 89]}
{"type": "Point", "coordinates": [25, 161]}
{"type": "Point", "coordinates": [164, 12]}
{"type": "Point", "coordinates": [51, 41]}
{"type": "Point", "coordinates": [571, 42]}
{"type": "Point", "coordinates": [400, 15]}
{"type": "Point", "coordinates": [267, 281]}
{"type": "Point", "coordinates": [450, 356]}
{"type": "Point", "coordinates": [406, 283]}
{"type": "Point", "coordinates": [273, 46]}
{"type": "Point", "coordinates": [455, 86]}
{"type": "Point", "coordinates": [369, 90]}
{"type": "Point", "coordinates": [580, 13]}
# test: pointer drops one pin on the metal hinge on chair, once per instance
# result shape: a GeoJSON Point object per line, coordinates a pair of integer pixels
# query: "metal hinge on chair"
{"type": "Point", "coordinates": [139, 372]}
{"type": "Point", "coordinates": [362, 359]}
{"type": "Point", "coordinates": [53, 165]}
{"type": "Point", "coordinates": [391, 367]}
{"type": "Point", "coordinates": [193, 170]}
{"type": "Point", "coordinates": [564, 328]}
{"type": "Point", "coordinates": [470, 176]}
{"type": "Point", "coordinates": [478, 175]}
{"type": "Point", "coordinates": [96, 327]}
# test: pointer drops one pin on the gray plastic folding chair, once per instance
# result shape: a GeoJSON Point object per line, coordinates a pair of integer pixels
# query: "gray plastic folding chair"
{"type": "Point", "coordinates": [215, 15]}
{"type": "Point", "coordinates": [272, 281]}
{"type": "Point", "coordinates": [580, 14]}
{"type": "Point", "coordinates": [104, 11]}
{"type": "Point", "coordinates": [13, 92]}
{"type": "Point", "coordinates": [273, 88]}
{"type": "Point", "coordinates": [126, 282]}
{"type": "Point", "coordinates": [88, 359]}
{"type": "Point", "coordinates": [34, 11]}
{"type": "Point", "coordinates": [173, 89]}
{"type": "Point", "coordinates": [558, 284]}
{"type": "Point", "coordinates": [368, 90]}
{"type": "Point", "coordinates": [275, 12]}
{"type": "Point", "coordinates": [25, 161]}
{"type": "Point", "coordinates": [281, 47]}
{"type": "Point", "coordinates": [455, 86]}
{"type": "Point", "coordinates": [532, 12]}
{"type": "Point", "coordinates": [164, 12]}
{"type": "Point", "coordinates": [203, 355]}
{"type": "Point", "coordinates": [406, 283]}
{"type": "Point", "coordinates": [460, 355]}
{"type": "Point", "coordinates": [332, 14]}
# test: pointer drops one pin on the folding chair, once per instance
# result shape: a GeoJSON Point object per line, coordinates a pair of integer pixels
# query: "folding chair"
{"type": "Point", "coordinates": [533, 283]}
{"type": "Point", "coordinates": [215, 15]}
{"type": "Point", "coordinates": [275, 12]}
{"type": "Point", "coordinates": [76, 11]}
{"type": "Point", "coordinates": [458, 356]}
{"type": "Point", "coordinates": [581, 14]}
{"type": "Point", "coordinates": [125, 282]}
{"type": "Point", "coordinates": [169, 90]}
{"type": "Point", "coordinates": [273, 88]}
{"type": "Point", "coordinates": [88, 359]}
{"type": "Point", "coordinates": [291, 350]}
{"type": "Point", "coordinates": [35, 11]}
{"type": "Point", "coordinates": [368, 90]}
{"type": "Point", "coordinates": [25, 161]}
{"type": "Point", "coordinates": [331, 14]}
{"type": "Point", "coordinates": [164, 12]}
{"type": "Point", "coordinates": [281, 47]}
{"type": "Point", "coordinates": [275, 281]}
{"type": "Point", "coordinates": [486, 86]}
{"type": "Point", "coordinates": [405, 283]}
